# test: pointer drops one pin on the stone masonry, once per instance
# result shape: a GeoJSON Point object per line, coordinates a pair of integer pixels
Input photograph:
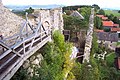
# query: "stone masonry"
{"type": "Point", "coordinates": [9, 22]}
{"type": "Point", "coordinates": [32, 63]}
{"type": "Point", "coordinates": [53, 16]}
{"type": "Point", "coordinates": [88, 43]}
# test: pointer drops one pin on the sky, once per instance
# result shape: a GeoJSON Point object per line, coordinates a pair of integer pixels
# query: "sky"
{"type": "Point", "coordinates": [101, 3]}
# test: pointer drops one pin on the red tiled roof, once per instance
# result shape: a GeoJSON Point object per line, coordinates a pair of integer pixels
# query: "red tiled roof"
{"type": "Point", "coordinates": [115, 29]}
{"type": "Point", "coordinates": [107, 23]}
{"type": "Point", "coordinates": [98, 30]}
{"type": "Point", "coordinates": [104, 18]}
{"type": "Point", "coordinates": [115, 24]}
{"type": "Point", "coordinates": [100, 16]}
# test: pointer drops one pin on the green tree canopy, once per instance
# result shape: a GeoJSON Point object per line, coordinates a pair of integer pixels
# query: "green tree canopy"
{"type": "Point", "coordinates": [96, 7]}
{"type": "Point", "coordinates": [85, 11]}
{"type": "Point", "coordinates": [30, 10]}
{"type": "Point", "coordinates": [98, 23]}
{"type": "Point", "coordinates": [101, 12]}
{"type": "Point", "coordinates": [111, 16]}
{"type": "Point", "coordinates": [116, 20]}
{"type": "Point", "coordinates": [73, 23]}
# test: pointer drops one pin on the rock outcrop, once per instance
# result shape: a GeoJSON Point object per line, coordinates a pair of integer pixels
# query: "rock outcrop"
{"type": "Point", "coordinates": [9, 22]}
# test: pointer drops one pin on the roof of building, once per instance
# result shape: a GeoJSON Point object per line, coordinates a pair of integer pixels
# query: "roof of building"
{"type": "Point", "coordinates": [115, 29]}
{"type": "Point", "coordinates": [107, 36]}
{"type": "Point", "coordinates": [77, 14]}
{"type": "Point", "coordinates": [98, 30]}
{"type": "Point", "coordinates": [104, 18]}
{"type": "Point", "coordinates": [108, 23]}
{"type": "Point", "coordinates": [115, 24]}
{"type": "Point", "coordinates": [100, 16]}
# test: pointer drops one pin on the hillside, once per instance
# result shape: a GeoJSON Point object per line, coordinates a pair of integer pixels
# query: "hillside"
{"type": "Point", "coordinates": [115, 13]}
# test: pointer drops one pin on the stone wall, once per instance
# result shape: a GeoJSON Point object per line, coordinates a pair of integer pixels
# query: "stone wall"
{"type": "Point", "coordinates": [53, 16]}
{"type": "Point", "coordinates": [89, 37]}
{"type": "Point", "coordinates": [108, 44]}
{"type": "Point", "coordinates": [9, 22]}
{"type": "Point", "coordinates": [32, 63]}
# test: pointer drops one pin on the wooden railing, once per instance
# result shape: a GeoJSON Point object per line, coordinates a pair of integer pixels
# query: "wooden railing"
{"type": "Point", "coordinates": [17, 48]}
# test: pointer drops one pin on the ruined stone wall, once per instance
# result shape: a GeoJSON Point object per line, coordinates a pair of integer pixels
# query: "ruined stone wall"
{"type": "Point", "coordinates": [58, 19]}
{"type": "Point", "coordinates": [32, 63]}
{"type": "Point", "coordinates": [53, 16]}
{"type": "Point", "coordinates": [9, 22]}
{"type": "Point", "coordinates": [89, 37]}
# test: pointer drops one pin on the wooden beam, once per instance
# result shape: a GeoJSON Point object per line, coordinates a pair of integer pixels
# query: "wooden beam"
{"type": "Point", "coordinates": [5, 46]}
{"type": "Point", "coordinates": [9, 73]}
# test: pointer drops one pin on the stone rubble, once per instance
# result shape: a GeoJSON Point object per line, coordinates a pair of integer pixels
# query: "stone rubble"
{"type": "Point", "coordinates": [32, 63]}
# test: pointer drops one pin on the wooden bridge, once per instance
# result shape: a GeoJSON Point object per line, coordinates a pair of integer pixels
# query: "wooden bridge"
{"type": "Point", "coordinates": [17, 48]}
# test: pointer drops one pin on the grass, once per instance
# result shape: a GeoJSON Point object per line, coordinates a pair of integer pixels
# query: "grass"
{"type": "Point", "coordinates": [115, 13]}
{"type": "Point", "coordinates": [110, 59]}
{"type": "Point", "coordinates": [118, 43]}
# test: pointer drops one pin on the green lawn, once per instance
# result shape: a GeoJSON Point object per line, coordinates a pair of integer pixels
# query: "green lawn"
{"type": "Point", "coordinates": [118, 43]}
{"type": "Point", "coordinates": [115, 13]}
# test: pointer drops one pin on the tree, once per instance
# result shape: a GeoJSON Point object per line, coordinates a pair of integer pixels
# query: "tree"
{"type": "Point", "coordinates": [30, 10]}
{"type": "Point", "coordinates": [111, 16]}
{"type": "Point", "coordinates": [85, 11]}
{"type": "Point", "coordinates": [73, 23]}
{"type": "Point", "coordinates": [68, 12]}
{"type": "Point", "coordinates": [116, 20]}
{"type": "Point", "coordinates": [98, 23]}
{"type": "Point", "coordinates": [96, 7]}
{"type": "Point", "coordinates": [57, 63]}
{"type": "Point", "coordinates": [101, 12]}
{"type": "Point", "coordinates": [89, 71]}
{"type": "Point", "coordinates": [94, 45]}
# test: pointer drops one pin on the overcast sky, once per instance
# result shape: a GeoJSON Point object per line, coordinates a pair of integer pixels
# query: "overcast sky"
{"type": "Point", "coordinates": [101, 3]}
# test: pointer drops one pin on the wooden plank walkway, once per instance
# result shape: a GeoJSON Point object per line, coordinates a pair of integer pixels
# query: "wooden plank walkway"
{"type": "Point", "coordinates": [16, 49]}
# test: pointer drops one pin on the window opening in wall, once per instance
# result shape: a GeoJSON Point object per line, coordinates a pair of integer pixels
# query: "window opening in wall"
{"type": "Point", "coordinates": [118, 35]}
